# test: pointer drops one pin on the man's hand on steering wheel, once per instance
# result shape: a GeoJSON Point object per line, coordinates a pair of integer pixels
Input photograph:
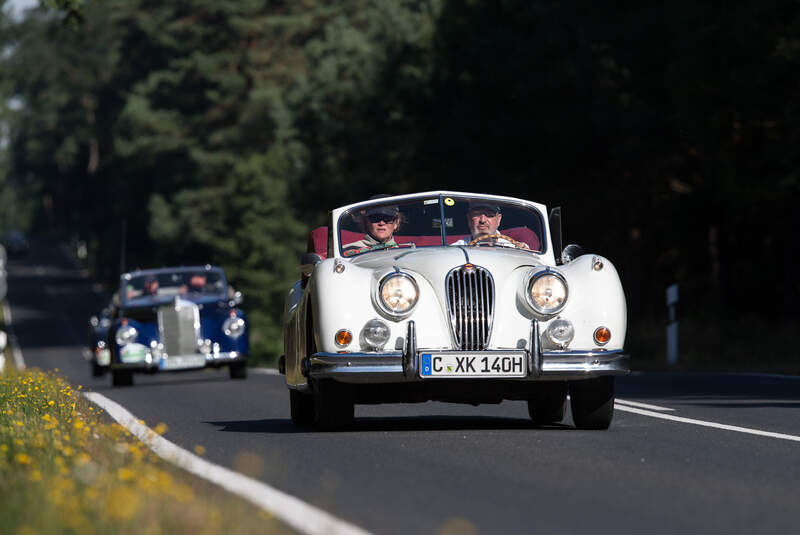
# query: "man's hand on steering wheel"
{"type": "Point", "coordinates": [497, 236]}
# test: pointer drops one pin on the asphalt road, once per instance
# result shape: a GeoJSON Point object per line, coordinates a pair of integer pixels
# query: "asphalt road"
{"type": "Point", "coordinates": [434, 467]}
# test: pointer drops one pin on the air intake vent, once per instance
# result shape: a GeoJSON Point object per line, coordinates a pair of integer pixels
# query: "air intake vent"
{"type": "Point", "coordinates": [470, 301]}
{"type": "Point", "coordinates": [179, 327]}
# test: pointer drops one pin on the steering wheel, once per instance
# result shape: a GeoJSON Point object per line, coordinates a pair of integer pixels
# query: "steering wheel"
{"type": "Point", "coordinates": [517, 244]}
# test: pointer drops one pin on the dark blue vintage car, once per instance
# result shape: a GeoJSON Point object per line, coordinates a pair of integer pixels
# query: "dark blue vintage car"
{"type": "Point", "coordinates": [180, 318]}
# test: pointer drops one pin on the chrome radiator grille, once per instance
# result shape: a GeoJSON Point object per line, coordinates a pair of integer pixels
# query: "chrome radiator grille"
{"type": "Point", "coordinates": [470, 301]}
{"type": "Point", "coordinates": [179, 327]}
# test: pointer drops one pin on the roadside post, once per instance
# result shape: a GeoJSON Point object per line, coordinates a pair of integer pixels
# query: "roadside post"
{"type": "Point", "coordinates": [672, 324]}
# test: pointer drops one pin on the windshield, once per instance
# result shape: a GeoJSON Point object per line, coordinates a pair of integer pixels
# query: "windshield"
{"type": "Point", "coordinates": [193, 284]}
{"type": "Point", "coordinates": [468, 221]}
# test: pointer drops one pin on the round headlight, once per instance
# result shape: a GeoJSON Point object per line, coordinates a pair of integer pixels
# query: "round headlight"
{"type": "Point", "coordinates": [375, 334]}
{"type": "Point", "coordinates": [398, 293]}
{"type": "Point", "coordinates": [126, 335]}
{"type": "Point", "coordinates": [547, 292]}
{"type": "Point", "coordinates": [233, 327]}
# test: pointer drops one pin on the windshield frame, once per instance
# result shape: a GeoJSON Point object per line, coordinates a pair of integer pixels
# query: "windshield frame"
{"type": "Point", "coordinates": [139, 301]}
{"type": "Point", "coordinates": [440, 196]}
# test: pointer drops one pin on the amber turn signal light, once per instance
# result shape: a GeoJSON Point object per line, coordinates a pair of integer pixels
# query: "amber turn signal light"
{"type": "Point", "coordinates": [343, 337]}
{"type": "Point", "coordinates": [602, 335]}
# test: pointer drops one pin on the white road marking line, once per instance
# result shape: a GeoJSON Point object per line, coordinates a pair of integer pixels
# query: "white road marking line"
{"type": "Point", "coordinates": [708, 424]}
{"type": "Point", "coordinates": [642, 405]}
{"type": "Point", "coordinates": [300, 515]}
{"type": "Point", "coordinates": [16, 352]}
{"type": "Point", "coordinates": [264, 371]}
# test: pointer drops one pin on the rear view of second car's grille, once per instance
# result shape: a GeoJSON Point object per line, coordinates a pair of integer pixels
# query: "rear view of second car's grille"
{"type": "Point", "coordinates": [470, 301]}
{"type": "Point", "coordinates": [179, 323]}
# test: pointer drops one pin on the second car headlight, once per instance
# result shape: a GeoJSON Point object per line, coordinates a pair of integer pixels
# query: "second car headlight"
{"type": "Point", "coordinates": [398, 293]}
{"type": "Point", "coordinates": [547, 292]}
{"type": "Point", "coordinates": [233, 327]}
{"type": "Point", "coordinates": [126, 335]}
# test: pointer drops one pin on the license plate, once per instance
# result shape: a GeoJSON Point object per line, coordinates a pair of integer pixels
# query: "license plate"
{"type": "Point", "coordinates": [182, 362]}
{"type": "Point", "coordinates": [456, 364]}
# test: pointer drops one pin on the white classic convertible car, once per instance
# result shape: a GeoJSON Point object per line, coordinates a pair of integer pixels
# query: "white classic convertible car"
{"type": "Point", "coordinates": [454, 297]}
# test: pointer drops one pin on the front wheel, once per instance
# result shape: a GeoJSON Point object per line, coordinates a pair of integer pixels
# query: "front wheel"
{"type": "Point", "coordinates": [238, 370]}
{"type": "Point", "coordinates": [592, 402]}
{"type": "Point", "coordinates": [121, 378]}
{"type": "Point", "coordinates": [333, 405]}
{"type": "Point", "coordinates": [97, 370]}
{"type": "Point", "coordinates": [301, 407]}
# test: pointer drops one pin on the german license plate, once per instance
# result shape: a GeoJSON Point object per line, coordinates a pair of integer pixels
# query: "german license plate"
{"type": "Point", "coordinates": [182, 362]}
{"type": "Point", "coordinates": [455, 364]}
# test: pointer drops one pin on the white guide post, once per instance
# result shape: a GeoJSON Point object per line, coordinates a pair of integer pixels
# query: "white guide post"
{"type": "Point", "coordinates": [672, 324]}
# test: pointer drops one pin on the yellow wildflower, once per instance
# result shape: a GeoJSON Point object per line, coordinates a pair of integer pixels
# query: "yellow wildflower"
{"type": "Point", "coordinates": [125, 474]}
{"type": "Point", "coordinates": [22, 458]}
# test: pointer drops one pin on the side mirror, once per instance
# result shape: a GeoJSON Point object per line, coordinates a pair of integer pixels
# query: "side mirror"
{"type": "Point", "coordinates": [308, 261]}
{"type": "Point", "coordinates": [94, 321]}
{"type": "Point", "coordinates": [570, 253]}
{"type": "Point", "coordinates": [555, 230]}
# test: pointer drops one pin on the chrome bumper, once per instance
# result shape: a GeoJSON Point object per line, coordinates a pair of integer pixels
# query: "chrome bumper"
{"type": "Point", "coordinates": [213, 360]}
{"type": "Point", "coordinates": [403, 366]}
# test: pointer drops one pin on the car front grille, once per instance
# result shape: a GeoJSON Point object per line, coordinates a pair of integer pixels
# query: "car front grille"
{"type": "Point", "coordinates": [179, 327]}
{"type": "Point", "coordinates": [470, 301]}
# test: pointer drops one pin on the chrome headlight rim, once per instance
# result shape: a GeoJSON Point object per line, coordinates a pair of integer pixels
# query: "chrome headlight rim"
{"type": "Point", "coordinates": [529, 286]}
{"type": "Point", "coordinates": [384, 308]}
{"type": "Point", "coordinates": [127, 334]}
{"type": "Point", "coordinates": [234, 327]}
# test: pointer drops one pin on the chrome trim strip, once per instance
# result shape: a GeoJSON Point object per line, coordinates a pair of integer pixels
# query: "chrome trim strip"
{"type": "Point", "coordinates": [390, 367]}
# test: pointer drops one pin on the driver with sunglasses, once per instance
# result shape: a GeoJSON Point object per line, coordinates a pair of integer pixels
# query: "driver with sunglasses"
{"type": "Point", "coordinates": [380, 223]}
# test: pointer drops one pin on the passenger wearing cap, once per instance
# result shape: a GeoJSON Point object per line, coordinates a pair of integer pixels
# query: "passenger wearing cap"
{"type": "Point", "coordinates": [380, 224]}
{"type": "Point", "coordinates": [483, 219]}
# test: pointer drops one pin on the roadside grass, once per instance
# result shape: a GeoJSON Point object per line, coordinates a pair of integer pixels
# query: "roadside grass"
{"type": "Point", "coordinates": [742, 344]}
{"type": "Point", "coordinates": [65, 468]}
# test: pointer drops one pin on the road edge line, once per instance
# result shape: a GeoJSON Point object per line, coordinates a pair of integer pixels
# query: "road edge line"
{"type": "Point", "coordinates": [705, 423]}
{"type": "Point", "coordinates": [298, 514]}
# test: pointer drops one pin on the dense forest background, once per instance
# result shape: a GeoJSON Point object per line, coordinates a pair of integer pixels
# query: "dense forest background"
{"type": "Point", "coordinates": [221, 131]}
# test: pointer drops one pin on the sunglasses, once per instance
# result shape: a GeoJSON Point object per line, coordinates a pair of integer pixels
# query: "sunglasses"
{"type": "Point", "coordinates": [376, 218]}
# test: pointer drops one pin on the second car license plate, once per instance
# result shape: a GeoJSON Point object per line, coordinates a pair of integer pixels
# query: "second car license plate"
{"type": "Point", "coordinates": [182, 362]}
{"type": "Point", "coordinates": [456, 364]}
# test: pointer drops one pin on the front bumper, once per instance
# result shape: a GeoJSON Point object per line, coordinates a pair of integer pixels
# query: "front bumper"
{"type": "Point", "coordinates": [403, 366]}
{"type": "Point", "coordinates": [152, 365]}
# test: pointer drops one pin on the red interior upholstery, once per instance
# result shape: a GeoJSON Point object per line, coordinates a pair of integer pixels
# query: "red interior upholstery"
{"type": "Point", "coordinates": [318, 242]}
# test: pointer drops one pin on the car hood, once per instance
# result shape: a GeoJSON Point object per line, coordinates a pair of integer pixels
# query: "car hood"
{"type": "Point", "coordinates": [434, 263]}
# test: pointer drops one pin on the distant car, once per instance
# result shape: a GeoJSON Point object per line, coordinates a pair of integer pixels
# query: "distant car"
{"type": "Point", "coordinates": [99, 355]}
{"type": "Point", "coordinates": [471, 301]}
{"type": "Point", "coordinates": [16, 243]}
{"type": "Point", "coordinates": [177, 318]}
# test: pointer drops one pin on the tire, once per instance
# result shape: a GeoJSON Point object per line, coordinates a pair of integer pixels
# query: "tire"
{"type": "Point", "coordinates": [97, 370]}
{"type": "Point", "coordinates": [592, 402]}
{"type": "Point", "coordinates": [238, 370]}
{"type": "Point", "coordinates": [121, 378]}
{"type": "Point", "coordinates": [302, 408]}
{"type": "Point", "coordinates": [333, 405]}
{"type": "Point", "coordinates": [548, 404]}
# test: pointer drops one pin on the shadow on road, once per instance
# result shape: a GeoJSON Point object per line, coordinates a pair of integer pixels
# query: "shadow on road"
{"type": "Point", "coordinates": [383, 424]}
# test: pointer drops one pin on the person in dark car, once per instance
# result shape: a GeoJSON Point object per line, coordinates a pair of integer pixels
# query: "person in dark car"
{"type": "Point", "coordinates": [150, 286]}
